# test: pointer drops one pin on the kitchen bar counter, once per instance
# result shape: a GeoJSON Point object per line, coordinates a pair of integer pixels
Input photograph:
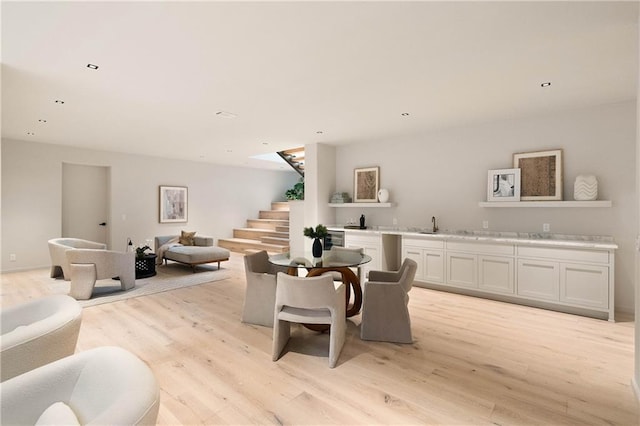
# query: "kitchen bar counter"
{"type": "Point", "coordinates": [517, 238]}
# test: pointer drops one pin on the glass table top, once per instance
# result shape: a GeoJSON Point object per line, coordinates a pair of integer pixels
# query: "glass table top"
{"type": "Point", "coordinates": [329, 259]}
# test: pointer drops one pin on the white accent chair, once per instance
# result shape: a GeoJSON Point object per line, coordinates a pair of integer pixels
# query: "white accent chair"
{"type": "Point", "coordinates": [37, 332]}
{"type": "Point", "coordinates": [87, 266]}
{"type": "Point", "coordinates": [260, 294]}
{"type": "Point", "coordinates": [58, 248]}
{"type": "Point", "coordinates": [385, 312]}
{"type": "Point", "coordinates": [104, 386]}
{"type": "Point", "coordinates": [315, 300]}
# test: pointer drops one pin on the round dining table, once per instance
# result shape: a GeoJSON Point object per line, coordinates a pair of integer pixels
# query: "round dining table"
{"type": "Point", "coordinates": [340, 261]}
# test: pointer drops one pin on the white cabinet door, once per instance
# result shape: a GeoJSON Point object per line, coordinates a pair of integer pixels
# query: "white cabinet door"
{"type": "Point", "coordinates": [538, 279]}
{"type": "Point", "coordinates": [584, 285]}
{"type": "Point", "coordinates": [496, 274]}
{"type": "Point", "coordinates": [461, 269]}
{"type": "Point", "coordinates": [433, 261]}
{"type": "Point", "coordinates": [415, 254]}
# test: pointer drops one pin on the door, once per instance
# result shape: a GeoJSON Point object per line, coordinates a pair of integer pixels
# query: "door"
{"type": "Point", "coordinates": [85, 202]}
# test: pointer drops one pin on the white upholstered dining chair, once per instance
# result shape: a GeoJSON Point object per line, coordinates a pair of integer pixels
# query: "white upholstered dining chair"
{"type": "Point", "coordinates": [316, 300]}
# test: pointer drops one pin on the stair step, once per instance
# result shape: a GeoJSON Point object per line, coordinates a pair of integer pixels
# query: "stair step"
{"type": "Point", "coordinates": [280, 205]}
{"type": "Point", "coordinates": [284, 229]}
{"type": "Point", "coordinates": [244, 245]}
{"type": "Point", "coordinates": [275, 241]}
{"type": "Point", "coordinates": [266, 223]}
{"type": "Point", "coordinates": [257, 233]}
{"type": "Point", "coordinates": [274, 214]}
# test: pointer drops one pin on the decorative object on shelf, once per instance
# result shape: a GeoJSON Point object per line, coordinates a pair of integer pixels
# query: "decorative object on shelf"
{"type": "Point", "coordinates": [365, 186]}
{"type": "Point", "coordinates": [503, 185]}
{"type": "Point", "coordinates": [317, 234]}
{"type": "Point", "coordinates": [173, 204]}
{"type": "Point", "coordinates": [383, 195]}
{"type": "Point", "coordinates": [585, 188]}
{"type": "Point", "coordinates": [297, 192]}
{"type": "Point", "coordinates": [541, 174]}
{"type": "Point", "coordinates": [340, 198]}
{"type": "Point", "coordinates": [362, 226]}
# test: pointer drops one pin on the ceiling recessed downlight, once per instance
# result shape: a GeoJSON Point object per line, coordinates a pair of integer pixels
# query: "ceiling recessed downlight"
{"type": "Point", "coordinates": [92, 66]}
{"type": "Point", "coordinates": [42, 121]}
{"type": "Point", "coordinates": [545, 84]}
{"type": "Point", "coordinates": [30, 134]}
{"type": "Point", "coordinates": [319, 132]}
{"type": "Point", "coordinates": [59, 101]}
{"type": "Point", "coordinates": [405, 114]}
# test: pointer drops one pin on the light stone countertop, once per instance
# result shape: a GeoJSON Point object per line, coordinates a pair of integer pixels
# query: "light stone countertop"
{"type": "Point", "coordinates": [518, 238]}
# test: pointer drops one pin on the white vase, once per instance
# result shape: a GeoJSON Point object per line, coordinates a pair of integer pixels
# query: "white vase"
{"type": "Point", "coordinates": [383, 195]}
{"type": "Point", "coordinates": [585, 188]}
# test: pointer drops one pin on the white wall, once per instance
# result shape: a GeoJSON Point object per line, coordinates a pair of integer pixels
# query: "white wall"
{"type": "Point", "coordinates": [220, 198]}
{"type": "Point", "coordinates": [444, 174]}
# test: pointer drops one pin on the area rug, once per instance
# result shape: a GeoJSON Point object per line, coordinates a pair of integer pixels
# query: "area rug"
{"type": "Point", "coordinates": [168, 277]}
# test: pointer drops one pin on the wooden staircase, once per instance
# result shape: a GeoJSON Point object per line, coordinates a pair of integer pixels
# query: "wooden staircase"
{"type": "Point", "coordinates": [269, 232]}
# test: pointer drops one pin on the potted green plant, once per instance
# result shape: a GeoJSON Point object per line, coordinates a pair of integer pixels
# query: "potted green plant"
{"type": "Point", "coordinates": [140, 251]}
{"type": "Point", "coordinates": [319, 232]}
{"type": "Point", "coordinates": [297, 192]}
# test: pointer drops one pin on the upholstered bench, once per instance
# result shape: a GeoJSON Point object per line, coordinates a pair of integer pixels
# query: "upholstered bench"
{"type": "Point", "coordinates": [203, 251]}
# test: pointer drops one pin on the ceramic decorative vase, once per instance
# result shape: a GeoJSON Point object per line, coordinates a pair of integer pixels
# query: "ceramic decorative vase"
{"type": "Point", "coordinates": [383, 195]}
{"type": "Point", "coordinates": [585, 188]}
{"type": "Point", "coordinates": [316, 249]}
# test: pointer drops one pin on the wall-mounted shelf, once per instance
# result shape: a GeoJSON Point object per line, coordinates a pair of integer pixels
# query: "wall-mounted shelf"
{"type": "Point", "coordinates": [361, 205]}
{"type": "Point", "coordinates": [553, 204]}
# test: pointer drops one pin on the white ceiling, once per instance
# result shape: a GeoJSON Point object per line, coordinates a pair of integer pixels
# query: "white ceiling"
{"type": "Point", "coordinates": [290, 70]}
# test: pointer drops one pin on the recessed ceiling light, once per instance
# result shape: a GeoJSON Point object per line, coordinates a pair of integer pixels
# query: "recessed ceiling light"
{"type": "Point", "coordinates": [319, 132]}
{"type": "Point", "coordinates": [405, 114]}
{"type": "Point", "coordinates": [226, 114]}
{"type": "Point", "coordinates": [265, 143]}
{"type": "Point", "coordinates": [59, 102]}
{"type": "Point", "coordinates": [545, 84]}
{"type": "Point", "coordinates": [92, 66]}
{"type": "Point", "coordinates": [229, 150]}
{"type": "Point", "coordinates": [31, 134]}
{"type": "Point", "coordinates": [42, 121]}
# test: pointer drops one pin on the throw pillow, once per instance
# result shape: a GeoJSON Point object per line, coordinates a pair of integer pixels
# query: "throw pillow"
{"type": "Point", "coordinates": [187, 238]}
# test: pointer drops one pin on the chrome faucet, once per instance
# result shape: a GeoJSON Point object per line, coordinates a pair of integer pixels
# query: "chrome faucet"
{"type": "Point", "coordinates": [433, 221]}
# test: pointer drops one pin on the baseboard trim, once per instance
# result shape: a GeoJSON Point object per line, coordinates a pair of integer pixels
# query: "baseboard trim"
{"type": "Point", "coordinates": [25, 268]}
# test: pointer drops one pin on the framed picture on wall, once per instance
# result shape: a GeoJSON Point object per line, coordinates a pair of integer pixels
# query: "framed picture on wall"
{"type": "Point", "coordinates": [541, 175]}
{"type": "Point", "coordinates": [174, 204]}
{"type": "Point", "coordinates": [503, 185]}
{"type": "Point", "coordinates": [365, 185]}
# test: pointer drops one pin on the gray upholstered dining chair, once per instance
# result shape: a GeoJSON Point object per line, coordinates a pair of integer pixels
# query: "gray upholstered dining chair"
{"type": "Point", "coordinates": [336, 251]}
{"type": "Point", "coordinates": [315, 300]}
{"type": "Point", "coordinates": [385, 312]}
{"type": "Point", "coordinates": [260, 294]}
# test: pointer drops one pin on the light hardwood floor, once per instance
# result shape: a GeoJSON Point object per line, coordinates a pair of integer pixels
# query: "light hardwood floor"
{"type": "Point", "coordinates": [473, 361]}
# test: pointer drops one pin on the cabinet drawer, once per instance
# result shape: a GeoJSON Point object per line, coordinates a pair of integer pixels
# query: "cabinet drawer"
{"type": "Point", "coordinates": [597, 256]}
{"type": "Point", "coordinates": [416, 242]}
{"type": "Point", "coordinates": [505, 249]}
